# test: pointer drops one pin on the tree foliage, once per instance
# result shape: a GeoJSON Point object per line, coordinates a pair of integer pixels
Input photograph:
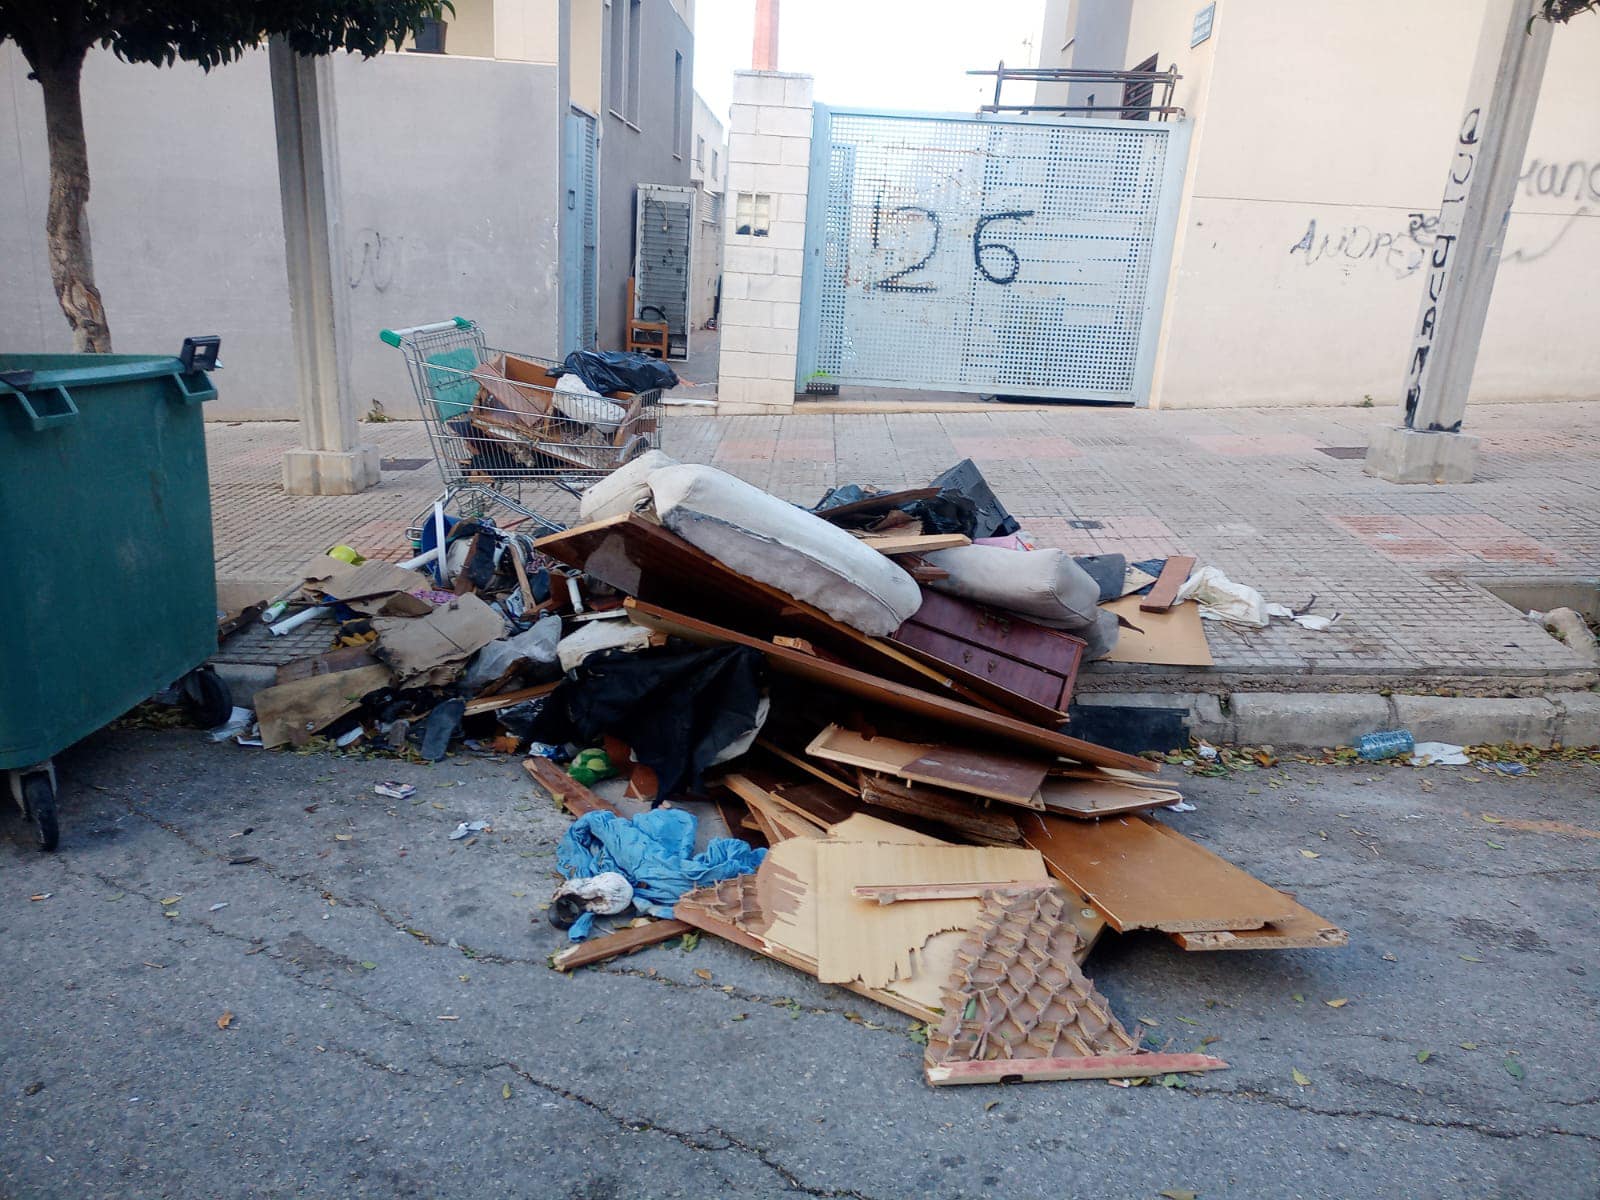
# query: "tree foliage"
{"type": "Point", "coordinates": [52, 33]}
{"type": "Point", "coordinates": [1565, 10]}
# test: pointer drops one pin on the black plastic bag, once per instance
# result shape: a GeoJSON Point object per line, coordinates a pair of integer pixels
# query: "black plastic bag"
{"type": "Point", "coordinates": [617, 371]}
{"type": "Point", "coordinates": [965, 504]}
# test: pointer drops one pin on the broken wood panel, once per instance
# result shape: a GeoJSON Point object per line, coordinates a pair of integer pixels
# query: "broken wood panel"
{"type": "Point", "coordinates": [878, 944]}
{"type": "Point", "coordinates": [1016, 992]}
{"type": "Point", "coordinates": [1174, 574]}
{"type": "Point", "coordinates": [896, 544]}
{"type": "Point", "coordinates": [646, 561]}
{"type": "Point", "coordinates": [1096, 1066]}
{"type": "Point", "coordinates": [1142, 874]}
{"type": "Point", "coordinates": [571, 794]}
{"type": "Point", "coordinates": [1013, 779]}
{"type": "Point", "coordinates": [958, 813]}
{"type": "Point", "coordinates": [483, 704]}
{"type": "Point", "coordinates": [809, 767]}
{"type": "Point", "coordinates": [899, 893]}
{"type": "Point", "coordinates": [968, 684]}
{"type": "Point", "coordinates": [614, 945]}
{"type": "Point", "coordinates": [778, 821]}
{"type": "Point", "coordinates": [1305, 930]}
{"type": "Point", "coordinates": [994, 726]}
{"type": "Point", "coordinates": [1026, 680]}
{"type": "Point", "coordinates": [1175, 638]}
{"type": "Point", "coordinates": [806, 797]}
{"type": "Point", "coordinates": [1091, 799]}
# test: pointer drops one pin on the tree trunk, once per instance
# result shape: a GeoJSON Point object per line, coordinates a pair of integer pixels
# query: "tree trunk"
{"type": "Point", "coordinates": [66, 229]}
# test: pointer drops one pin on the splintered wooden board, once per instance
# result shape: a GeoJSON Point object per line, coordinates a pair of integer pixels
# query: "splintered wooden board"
{"type": "Point", "coordinates": [1175, 638]}
{"type": "Point", "coordinates": [995, 728]}
{"type": "Point", "coordinates": [876, 944]}
{"type": "Point", "coordinates": [986, 826]}
{"type": "Point", "coordinates": [645, 560]}
{"type": "Point", "coordinates": [1090, 799]}
{"type": "Point", "coordinates": [1305, 930]}
{"type": "Point", "coordinates": [1142, 874]}
{"type": "Point", "coordinates": [1012, 778]}
{"type": "Point", "coordinates": [893, 544]}
{"type": "Point", "coordinates": [778, 820]}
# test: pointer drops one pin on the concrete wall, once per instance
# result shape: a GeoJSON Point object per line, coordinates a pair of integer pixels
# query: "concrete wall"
{"type": "Point", "coordinates": [588, 48]}
{"type": "Point", "coordinates": [769, 152]}
{"type": "Point", "coordinates": [708, 172]}
{"type": "Point", "coordinates": [188, 233]}
{"type": "Point", "coordinates": [1087, 35]}
{"type": "Point", "coordinates": [643, 153]}
{"type": "Point", "coordinates": [1321, 144]}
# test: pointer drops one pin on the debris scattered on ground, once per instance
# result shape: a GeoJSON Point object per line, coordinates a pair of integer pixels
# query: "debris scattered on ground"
{"type": "Point", "coordinates": [836, 737]}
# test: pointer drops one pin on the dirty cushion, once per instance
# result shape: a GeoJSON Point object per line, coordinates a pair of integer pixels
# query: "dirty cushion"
{"type": "Point", "coordinates": [758, 535]}
{"type": "Point", "coordinates": [624, 490]}
{"type": "Point", "coordinates": [1043, 585]}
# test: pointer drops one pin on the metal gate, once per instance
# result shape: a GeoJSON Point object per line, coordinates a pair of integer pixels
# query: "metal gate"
{"type": "Point", "coordinates": [995, 254]}
{"type": "Point", "coordinates": [579, 256]}
{"type": "Point", "coordinates": [663, 248]}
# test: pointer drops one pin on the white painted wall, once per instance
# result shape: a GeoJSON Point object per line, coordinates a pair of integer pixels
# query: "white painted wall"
{"type": "Point", "coordinates": [449, 206]}
{"type": "Point", "coordinates": [1321, 143]}
{"type": "Point", "coordinates": [708, 169]}
{"type": "Point", "coordinates": [769, 152]}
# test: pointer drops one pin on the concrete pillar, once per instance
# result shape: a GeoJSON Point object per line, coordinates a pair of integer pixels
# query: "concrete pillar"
{"type": "Point", "coordinates": [1501, 98]}
{"type": "Point", "coordinates": [769, 160]}
{"type": "Point", "coordinates": [331, 462]}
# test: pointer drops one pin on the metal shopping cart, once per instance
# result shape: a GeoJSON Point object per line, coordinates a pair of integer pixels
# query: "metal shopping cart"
{"type": "Point", "coordinates": [501, 421]}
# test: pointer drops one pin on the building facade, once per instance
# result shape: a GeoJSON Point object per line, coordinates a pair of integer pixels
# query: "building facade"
{"type": "Point", "coordinates": [1322, 137]}
{"type": "Point", "coordinates": [451, 181]}
{"type": "Point", "coordinates": [708, 174]}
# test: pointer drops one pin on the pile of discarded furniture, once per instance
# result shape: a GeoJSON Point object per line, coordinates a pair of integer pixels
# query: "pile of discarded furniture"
{"type": "Point", "coordinates": [837, 737]}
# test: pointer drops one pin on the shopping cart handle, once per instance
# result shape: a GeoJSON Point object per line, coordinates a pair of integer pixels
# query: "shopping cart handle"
{"type": "Point", "coordinates": [394, 336]}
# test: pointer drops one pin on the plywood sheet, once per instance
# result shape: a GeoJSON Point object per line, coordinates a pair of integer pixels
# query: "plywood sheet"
{"type": "Point", "coordinates": [875, 944]}
{"type": "Point", "coordinates": [1142, 874]}
{"type": "Point", "coordinates": [1012, 778]}
{"type": "Point", "coordinates": [986, 826]}
{"type": "Point", "coordinates": [1175, 638]}
{"type": "Point", "coordinates": [1090, 799]}
{"type": "Point", "coordinates": [1305, 930]}
{"type": "Point", "coordinates": [895, 544]}
{"type": "Point", "coordinates": [1174, 574]}
{"type": "Point", "coordinates": [994, 728]}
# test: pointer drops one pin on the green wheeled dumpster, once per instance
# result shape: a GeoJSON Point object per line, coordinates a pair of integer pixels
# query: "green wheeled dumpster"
{"type": "Point", "coordinates": [109, 592]}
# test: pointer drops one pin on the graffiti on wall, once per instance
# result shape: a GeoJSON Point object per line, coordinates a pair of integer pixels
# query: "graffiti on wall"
{"type": "Point", "coordinates": [1396, 252]}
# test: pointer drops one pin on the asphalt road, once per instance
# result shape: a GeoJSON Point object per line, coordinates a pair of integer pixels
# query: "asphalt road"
{"type": "Point", "coordinates": [396, 1031]}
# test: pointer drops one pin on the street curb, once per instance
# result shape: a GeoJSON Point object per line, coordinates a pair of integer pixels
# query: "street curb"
{"type": "Point", "coordinates": [1315, 720]}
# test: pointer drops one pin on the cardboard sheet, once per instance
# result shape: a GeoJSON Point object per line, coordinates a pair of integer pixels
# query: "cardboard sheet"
{"type": "Point", "coordinates": [291, 713]}
{"type": "Point", "coordinates": [875, 944]}
{"type": "Point", "coordinates": [452, 632]}
{"type": "Point", "coordinates": [331, 577]}
{"type": "Point", "coordinates": [1175, 638]}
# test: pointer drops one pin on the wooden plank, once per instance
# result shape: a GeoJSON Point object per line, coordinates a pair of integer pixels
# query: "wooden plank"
{"type": "Point", "coordinates": [1012, 779]}
{"type": "Point", "coordinates": [805, 797]}
{"type": "Point", "coordinates": [880, 503]}
{"type": "Point", "coordinates": [1305, 930]}
{"type": "Point", "coordinates": [1091, 799]}
{"type": "Point", "coordinates": [810, 768]}
{"type": "Point", "coordinates": [778, 821]}
{"type": "Point", "coordinates": [981, 824]}
{"type": "Point", "coordinates": [485, 704]}
{"type": "Point", "coordinates": [897, 893]}
{"type": "Point", "coordinates": [576, 798]}
{"type": "Point", "coordinates": [1039, 1070]}
{"type": "Point", "coordinates": [644, 560]}
{"type": "Point", "coordinates": [946, 712]}
{"type": "Point", "coordinates": [895, 544]}
{"type": "Point", "coordinates": [1142, 874]}
{"type": "Point", "coordinates": [614, 945]}
{"type": "Point", "coordinates": [996, 697]}
{"type": "Point", "coordinates": [1174, 574]}
{"type": "Point", "coordinates": [1175, 638]}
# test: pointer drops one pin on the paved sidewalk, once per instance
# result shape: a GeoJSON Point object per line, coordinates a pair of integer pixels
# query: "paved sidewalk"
{"type": "Point", "coordinates": [1253, 492]}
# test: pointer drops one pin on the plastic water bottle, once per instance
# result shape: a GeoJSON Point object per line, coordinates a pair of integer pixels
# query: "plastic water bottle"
{"type": "Point", "coordinates": [1392, 743]}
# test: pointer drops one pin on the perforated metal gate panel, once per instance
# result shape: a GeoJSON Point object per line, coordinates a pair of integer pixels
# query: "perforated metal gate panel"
{"type": "Point", "coordinates": [987, 254]}
{"type": "Point", "coordinates": [589, 151]}
{"type": "Point", "coordinates": [661, 267]}
{"type": "Point", "coordinates": [579, 227]}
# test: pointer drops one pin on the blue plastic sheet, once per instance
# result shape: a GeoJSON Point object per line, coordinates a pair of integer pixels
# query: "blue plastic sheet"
{"type": "Point", "coordinates": [655, 852]}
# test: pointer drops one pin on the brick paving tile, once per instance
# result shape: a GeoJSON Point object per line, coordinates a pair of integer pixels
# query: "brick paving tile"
{"type": "Point", "coordinates": [1244, 490]}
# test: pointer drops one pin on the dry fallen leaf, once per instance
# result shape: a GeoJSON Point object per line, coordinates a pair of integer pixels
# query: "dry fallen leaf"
{"type": "Point", "coordinates": [1469, 958]}
{"type": "Point", "coordinates": [702, 973]}
{"type": "Point", "coordinates": [1301, 1077]}
{"type": "Point", "coordinates": [505, 1092]}
{"type": "Point", "coordinates": [990, 1105]}
{"type": "Point", "coordinates": [1339, 1003]}
{"type": "Point", "coordinates": [1309, 854]}
{"type": "Point", "coordinates": [1178, 1194]}
{"type": "Point", "coordinates": [1515, 1069]}
{"type": "Point", "coordinates": [1493, 820]}
{"type": "Point", "coordinates": [40, 896]}
{"type": "Point", "coordinates": [225, 1020]}
{"type": "Point", "coordinates": [341, 837]}
{"type": "Point", "coordinates": [171, 899]}
{"type": "Point", "coordinates": [1424, 1055]}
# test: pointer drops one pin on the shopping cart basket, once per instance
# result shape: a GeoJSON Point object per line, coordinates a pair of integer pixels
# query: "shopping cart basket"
{"type": "Point", "coordinates": [501, 421]}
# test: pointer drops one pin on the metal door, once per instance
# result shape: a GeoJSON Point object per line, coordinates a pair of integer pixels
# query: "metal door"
{"type": "Point", "coordinates": [995, 254]}
{"type": "Point", "coordinates": [662, 254]}
{"type": "Point", "coordinates": [579, 257]}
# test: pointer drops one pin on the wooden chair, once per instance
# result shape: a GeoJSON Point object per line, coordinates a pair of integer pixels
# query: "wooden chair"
{"type": "Point", "coordinates": [644, 337]}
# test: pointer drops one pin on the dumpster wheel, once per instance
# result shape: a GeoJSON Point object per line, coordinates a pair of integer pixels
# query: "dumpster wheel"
{"type": "Point", "coordinates": [39, 804]}
{"type": "Point", "coordinates": [206, 698]}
